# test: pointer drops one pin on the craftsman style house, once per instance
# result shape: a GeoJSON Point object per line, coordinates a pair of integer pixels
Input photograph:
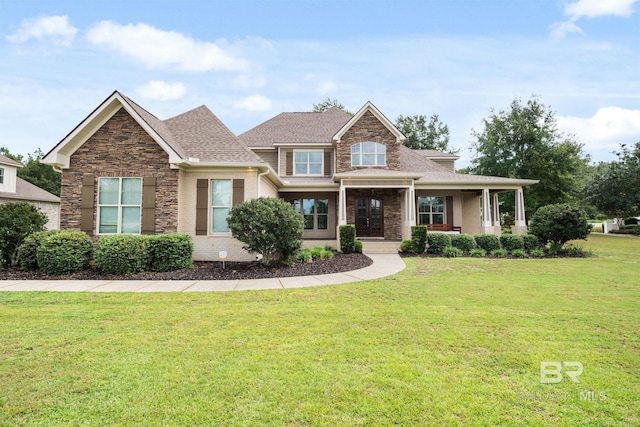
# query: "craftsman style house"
{"type": "Point", "coordinates": [126, 171]}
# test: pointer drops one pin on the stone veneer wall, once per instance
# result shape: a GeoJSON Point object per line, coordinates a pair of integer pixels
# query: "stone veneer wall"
{"type": "Point", "coordinates": [391, 205]}
{"type": "Point", "coordinates": [121, 148]}
{"type": "Point", "coordinates": [368, 128]}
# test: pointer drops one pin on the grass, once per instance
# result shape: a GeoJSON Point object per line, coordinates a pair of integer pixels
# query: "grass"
{"type": "Point", "coordinates": [448, 341]}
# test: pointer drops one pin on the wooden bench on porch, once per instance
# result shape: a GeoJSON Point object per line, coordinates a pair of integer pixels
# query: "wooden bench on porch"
{"type": "Point", "coordinates": [444, 228]}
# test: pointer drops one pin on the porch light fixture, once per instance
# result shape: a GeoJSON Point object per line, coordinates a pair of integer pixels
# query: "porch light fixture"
{"type": "Point", "coordinates": [222, 255]}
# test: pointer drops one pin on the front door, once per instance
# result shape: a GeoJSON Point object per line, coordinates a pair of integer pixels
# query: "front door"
{"type": "Point", "coordinates": [369, 221]}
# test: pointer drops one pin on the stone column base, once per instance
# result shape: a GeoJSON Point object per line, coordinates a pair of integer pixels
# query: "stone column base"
{"type": "Point", "coordinates": [518, 229]}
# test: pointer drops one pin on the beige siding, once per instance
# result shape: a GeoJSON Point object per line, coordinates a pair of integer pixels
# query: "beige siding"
{"type": "Point", "coordinates": [471, 213]}
{"type": "Point", "coordinates": [9, 181]}
{"type": "Point", "coordinates": [269, 156]}
{"type": "Point", "coordinates": [267, 188]}
{"type": "Point", "coordinates": [449, 164]}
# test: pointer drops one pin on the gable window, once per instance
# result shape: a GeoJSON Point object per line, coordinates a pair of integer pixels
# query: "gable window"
{"type": "Point", "coordinates": [308, 162]}
{"type": "Point", "coordinates": [1, 175]}
{"type": "Point", "coordinates": [119, 205]}
{"type": "Point", "coordinates": [221, 195]}
{"type": "Point", "coordinates": [368, 154]}
{"type": "Point", "coordinates": [430, 210]}
{"type": "Point", "coordinates": [314, 211]}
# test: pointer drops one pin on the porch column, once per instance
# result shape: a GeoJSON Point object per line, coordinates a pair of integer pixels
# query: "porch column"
{"type": "Point", "coordinates": [487, 226]}
{"type": "Point", "coordinates": [496, 213]}
{"type": "Point", "coordinates": [412, 205]}
{"type": "Point", "coordinates": [520, 226]}
{"type": "Point", "coordinates": [342, 205]}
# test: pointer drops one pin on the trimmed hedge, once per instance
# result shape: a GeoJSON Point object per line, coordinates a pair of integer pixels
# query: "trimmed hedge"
{"type": "Point", "coordinates": [168, 252]}
{"type": "Point", "coordinates": [530, 242]}
{"type": "Point", "coordinates": [357, 246]}
{"type": "Point", "coordinates": [437, 242]}
{"type": "Point", "coordinates": [488, 242]}
{"type": "Point", "coordinates": [464, 242]}
{"type": "Point", "coordinates": [28, 252]}
{"type": "Point", "coordinates": [418, 239]}
{"type": "Point", "coordinates": [405, 246]}
{"type": "Point", "coordinates": [452, 252]}
{"type": "Point", "coordinates": [66, 251]}
{"type": "Point", "coordinates": [122, 254]}
{"type": "Point", "coordinates": [347, 237]}
{"type": "Point", "coordinates": [510, 242]}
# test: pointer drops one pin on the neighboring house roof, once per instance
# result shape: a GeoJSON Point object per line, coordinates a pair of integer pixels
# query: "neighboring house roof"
{"type": "Point", "coordinates": [296, 128]}
{"type": "Point", "coordinates": [4, 160]}
{"type": "Point", "coordinates": [29, 192]}
{"type": "Point", "coordinates": [196, 137]}
{"type": "Point", "coordinates": [435, 154]}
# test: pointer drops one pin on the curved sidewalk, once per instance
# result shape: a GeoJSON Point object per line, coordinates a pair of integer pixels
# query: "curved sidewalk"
{"type": "Point", "coordinates": [383, 265]}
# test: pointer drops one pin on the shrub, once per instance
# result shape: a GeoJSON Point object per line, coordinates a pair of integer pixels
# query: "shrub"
{"type": "Point", "coordinates": [576, 251]}
{"type": "Point", "coordinates": [357, 246]}
{"type": "Point", "coordinates": [499, 253]}
{"type": "Point", "coordinates": [631, 221]}
{"type": "Point", "coordinates": [122, 254]}
{"type": "Point", "coordinates": [488, 242]}
{"type": "Point", "coordinates": [66, 251]}
{"type": "Point", "coordinates": [559, 223]}
{"type": "Point", "coordinates": [418, 239]}
{"type": "Point", "coordinates": [597, 229]}
{"type": "Point", "coordinates": [347, 238]}
{"type": "Point", "coordinates": [17, 221]}
{"type": "Point", "coordinates": [537, 253]}
{"type": "Point", "coordinates": [518, 253]}
{"type": "Point", "coordinates": [464, 242]}
{"type": "Point", "coordinates": [437, 242]}
{"type": "Point", "coordinates": [304, 255]}
{"type": "Point", "coordinates": [530, 242]}
{"type": "Point", "coordinates": [452, 252]}
{"type": "Point", "coordinates": [329, 248]}
{"type": "Point", "coordinates": [27, 257]}
{"type": "Point", "coordinates": [405, 246]}
{"type": "Point", "coordinates": [478, 253]}
{"type": "Point", "coordinates": [510, 242]}
{"type": "Point", "coordinates": [168, 252]}
{"type": "Point", "coordinates": [627, 230]}
{"type": "Point", "coordinates": [268, 226]}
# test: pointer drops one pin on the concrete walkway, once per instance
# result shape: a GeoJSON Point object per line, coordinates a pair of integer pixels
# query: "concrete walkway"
{"type": "Point", "coordinates": [383, 265]}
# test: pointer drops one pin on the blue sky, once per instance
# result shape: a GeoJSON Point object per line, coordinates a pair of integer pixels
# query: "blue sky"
{"type": "Point", "coordinates": [250, 60]}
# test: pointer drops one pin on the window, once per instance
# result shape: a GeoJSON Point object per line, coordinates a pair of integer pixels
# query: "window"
{"type": "Point", "coordinates": [368, 154]}
{"type": "Point", "coordinates": [220, 205]}
{"type": "Point", "coordinates": [1, 175]}
{"type": "Point", "coordinates": [314, 211]}
{"type": "Point", "coordinates": [119, 205]}
{"type": "Point", "coordinates": [431, 210]}
{"type": "Point", "coordinates": [308, 162]}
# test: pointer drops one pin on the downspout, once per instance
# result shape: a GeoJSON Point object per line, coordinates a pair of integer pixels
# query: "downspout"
{"type": "Point", "coordinates": [260, 175]}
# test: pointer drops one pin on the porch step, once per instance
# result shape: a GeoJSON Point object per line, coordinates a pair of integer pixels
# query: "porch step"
{"type": "Point", "coordinates": [380, 246]}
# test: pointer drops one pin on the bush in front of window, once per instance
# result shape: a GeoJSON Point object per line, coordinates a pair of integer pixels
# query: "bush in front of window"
{"type": "Point", "coordinates": [169, 252]}
{"type": "Point", "coordinates": [418, 239]}
{"type": "Point", "coordinates": [347, 238]}
{"type": "Point", "coordinates": [17, 221]}
{"type": "Point", "coordinates": [122, 254]}
{"type": "Point", "coordinates": [464, 242]}
{"type": "Point", "coordinates": [437, 242]}
{"type": "Point", "coordinates": [267, 226]}
{"type": "Point", "coordinates": [488, 242]}
{"type": "Point", "coordinates": [509, 242]}
{"type": "Point", "coordinates": [530, 242]}
{"type": "Point", "coordinates": [28, 250]}
{"type": "Point", "coordinates": [66, 251]}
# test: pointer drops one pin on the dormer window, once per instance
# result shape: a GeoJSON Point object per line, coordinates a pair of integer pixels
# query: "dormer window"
{"type": "Point", "coordinates": [368, 154]}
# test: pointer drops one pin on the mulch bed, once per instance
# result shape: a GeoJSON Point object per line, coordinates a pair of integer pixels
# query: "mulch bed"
{"type": "Point", "coordinates": [210, 271]}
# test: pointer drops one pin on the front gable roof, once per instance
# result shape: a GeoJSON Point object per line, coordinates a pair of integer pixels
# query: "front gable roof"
{"type": "Point", "coordinates": [4, 160]}
{"type": "Point", "coordinates": [369, 107]}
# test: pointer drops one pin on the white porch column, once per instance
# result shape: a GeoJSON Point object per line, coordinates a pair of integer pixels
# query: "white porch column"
{"type": "Point", "coordinates": [412, 205]}
{"type": "Point", "coordinates": [487, 227]}
{"type": "Point", "coordinates": [520, 226]}
{"type": "Point", "coordinates": [496, 213]}
{"type": "Point", "coordinates": [342, 205]}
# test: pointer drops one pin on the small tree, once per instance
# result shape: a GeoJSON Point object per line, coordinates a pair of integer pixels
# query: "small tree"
{"type": "Point", "coordinates": [17, 221]}
{"type": "Point", "coordinates": [268, 226]}
{"type": "Point", "coordinates": [557, 224]}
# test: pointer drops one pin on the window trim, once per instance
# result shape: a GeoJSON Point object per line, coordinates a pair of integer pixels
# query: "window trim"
{"type": "Point", "coordinates": [308, 163]}
{"type": "Point", "coordinates": [375, 154]}
{"type": "Point", "coordinates": [1, 175]}
{"type": "Point", "coordinates": [314, 212]}
{"type": "Point", "coordinates": [212, 206]}
{"type": "Point", "coordinates": [430, 213]}
{"type": "Point", "coordinates": [119, 206]}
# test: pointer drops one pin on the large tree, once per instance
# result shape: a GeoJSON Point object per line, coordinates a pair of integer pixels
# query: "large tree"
{"type": "Point", "coordinates": [615, 188]}
{"type": "Point", "coordinates": [423, 133]}
{"type": "Point", "coordinates": [524, 142]}
{"type": "Point", "coordinates": [35, 172]}
{"type": "Point", "coordinates": [329, 103]}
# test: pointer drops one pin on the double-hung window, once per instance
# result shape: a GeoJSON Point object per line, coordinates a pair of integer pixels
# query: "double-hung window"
{"type": "Point", "coordinates": [368, 154]}
{"type": "Point", "coordinates": [431, 210]}
{"type": "Point", "coordinates": [1, 175]}
{"type": "Point", "coordinates": [119, 205]}
{"type": "Point", "coordinates": [308, 162]}
{"type": "Point", "coordinates": [221, 195]}
{"type": "Point", "coordinates": [314, 211]}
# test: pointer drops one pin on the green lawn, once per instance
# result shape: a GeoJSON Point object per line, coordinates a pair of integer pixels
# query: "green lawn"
{"type": "Point", "coordinates": [446, 342]}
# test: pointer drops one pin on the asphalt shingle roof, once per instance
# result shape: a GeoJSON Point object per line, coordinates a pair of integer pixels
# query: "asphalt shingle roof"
{"type": "Point", "coordinates": [4, 160]}
{"type": "Point", "coordinates": [29, 192]}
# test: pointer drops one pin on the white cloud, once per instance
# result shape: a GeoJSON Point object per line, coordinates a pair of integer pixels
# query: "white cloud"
{"type": "Point", "coordinates": [157, 48]}
{"type": "Point", "coordinates": [54, 28]}
{"type": "Point", "coordinates": [607, 128]}
{"type": "Point", "coordinates": [560, 29]}
{"type": "Point", "coordinates": [253, 103]}
{"type": "Point", "coordinates": [594, 8]}
{"type": "Point", "coordinates": [161, 91]}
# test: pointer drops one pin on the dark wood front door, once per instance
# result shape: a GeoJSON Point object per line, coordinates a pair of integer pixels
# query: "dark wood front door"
{"type": "Point", "coordinates": [369, 218]}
